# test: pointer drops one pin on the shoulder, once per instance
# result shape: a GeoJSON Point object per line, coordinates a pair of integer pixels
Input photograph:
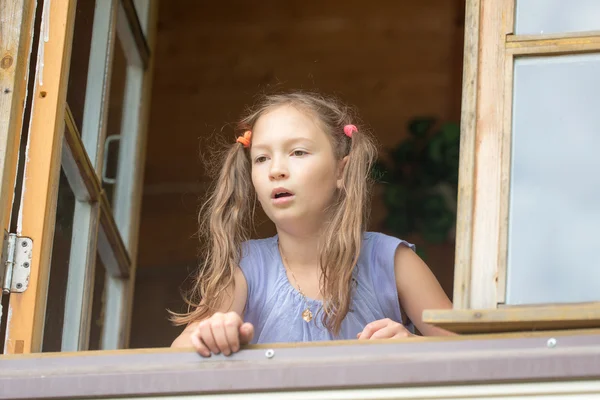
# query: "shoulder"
{"type": "Point", "coordinates": [256, 255]}
{"type": "Point", "coordinates": [379, 253]}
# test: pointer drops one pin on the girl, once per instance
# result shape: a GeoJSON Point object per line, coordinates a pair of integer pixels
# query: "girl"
{"type": "Point", "coordinates": [322, 276]}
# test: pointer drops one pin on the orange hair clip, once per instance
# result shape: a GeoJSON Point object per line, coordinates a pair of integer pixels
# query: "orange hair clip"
{"type": "Point", "coordinates": [245, 140]}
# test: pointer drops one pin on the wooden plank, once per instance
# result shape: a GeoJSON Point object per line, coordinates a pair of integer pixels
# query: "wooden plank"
{"type": "Point", "coordinates": [524, 38]}
{"type": "Point", "coordinates": [128, 195]}
{"type": "Point", "coordinates": [466, 173]}
{"type": "Point", "coordinates": [517, 319]}
{"type": "Point", "coordinates": [488, 154]}
{"type": "Point", "coordinates": [505, 165]}
{"type": "Point", "coordinates": [551, 44]}
{"type": "Point", "coordinates": [505, 180]}
{"type": "Point", "coordinates": [38, 207]}
{"type": "Point", "coordinates": [17, 18]}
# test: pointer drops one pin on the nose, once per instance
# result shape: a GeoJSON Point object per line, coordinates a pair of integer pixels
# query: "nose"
{"type": "Point", "coordinates": [278, 170]}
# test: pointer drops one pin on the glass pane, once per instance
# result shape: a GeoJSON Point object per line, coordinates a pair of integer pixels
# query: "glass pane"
{"type": "Point", "coordinates": [534, 17]}
{"type": "Point", "coordinates": [59, 266]}
{"type": "Point", "coordinates": [115, 116]}
{"type": "Point", "coordinates": [555, 185]}
{"type": "Point", "coordinates": [98, 306]}
{"type": "Point", "coordinates": [80, 56]}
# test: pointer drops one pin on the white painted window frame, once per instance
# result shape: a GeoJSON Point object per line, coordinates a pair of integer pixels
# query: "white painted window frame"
{"type": "Point", "coordinates": [97, 229]}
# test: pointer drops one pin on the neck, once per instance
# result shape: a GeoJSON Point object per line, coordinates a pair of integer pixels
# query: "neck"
{"type": "Point", "coordinates": [301, 252]}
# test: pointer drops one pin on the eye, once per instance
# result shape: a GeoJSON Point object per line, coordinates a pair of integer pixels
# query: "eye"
{"type": "Point", "coordinates": [299, 153]}
{"type": "Point", "coordinates": [260, 159]}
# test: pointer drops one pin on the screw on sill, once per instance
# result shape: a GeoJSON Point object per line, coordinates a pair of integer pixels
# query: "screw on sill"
{"type": "Point", "coordinates": [270, 353]}
{"type": "Point", "coordinates": [551, 343]}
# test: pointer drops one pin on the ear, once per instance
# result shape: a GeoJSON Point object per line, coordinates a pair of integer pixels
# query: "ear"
{"type": "Point", "coordinates": [340, 171]}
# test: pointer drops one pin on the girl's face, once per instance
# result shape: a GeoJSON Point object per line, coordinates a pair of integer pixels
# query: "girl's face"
{"type": "Point", "coordinates": [294, 170]}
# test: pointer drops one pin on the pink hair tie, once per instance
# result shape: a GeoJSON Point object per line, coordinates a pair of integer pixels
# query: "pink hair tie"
{"type": "Point", "coordinates": [349, 129]}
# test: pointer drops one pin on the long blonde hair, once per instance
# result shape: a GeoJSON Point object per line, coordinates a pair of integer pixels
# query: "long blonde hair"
{"type": "Point", "coordinates": [225, 218]}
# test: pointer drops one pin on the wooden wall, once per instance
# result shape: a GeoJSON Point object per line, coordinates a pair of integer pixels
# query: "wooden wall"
{"type": "Point", "coordinates": [392, 59]}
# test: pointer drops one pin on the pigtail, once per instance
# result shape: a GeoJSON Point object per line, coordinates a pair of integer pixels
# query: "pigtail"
{"type": "Point", "coordinates": [224, 222]}
{"type": "Point", "coordinates": [342, 239]}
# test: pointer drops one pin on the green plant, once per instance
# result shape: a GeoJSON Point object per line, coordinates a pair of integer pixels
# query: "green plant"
{"type": "Point", "coordinates": [420, 180]}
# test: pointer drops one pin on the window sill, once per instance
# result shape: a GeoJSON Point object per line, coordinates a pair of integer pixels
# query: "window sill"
{"type": "Point", "coordinates": [516, 318]}
{"type": "Point", "coordinates": [332, 366]}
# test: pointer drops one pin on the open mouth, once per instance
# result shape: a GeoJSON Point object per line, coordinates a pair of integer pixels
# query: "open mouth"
{"type": "Point", "coordinates": [281, 194]}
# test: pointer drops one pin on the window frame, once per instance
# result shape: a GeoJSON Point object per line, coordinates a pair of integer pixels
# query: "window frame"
{"type": "Point", "coordinates": [14, 53]}
{"type": "Point", "coordinates": [54, 143]}
{"type": "Point", "coordinates": [484, 173]}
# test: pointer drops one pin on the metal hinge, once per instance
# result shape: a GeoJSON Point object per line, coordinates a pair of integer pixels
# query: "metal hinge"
{"type": "Point", "coordinates": [16, 263]}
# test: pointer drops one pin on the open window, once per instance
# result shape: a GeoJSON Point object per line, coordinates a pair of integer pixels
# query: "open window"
{"type": "Point", "coordinates": [526, 252]}
{"type": "Point", "coordinates": [80, 170]}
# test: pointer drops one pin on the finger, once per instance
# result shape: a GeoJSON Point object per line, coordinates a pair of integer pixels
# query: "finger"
{"type": "Point", "coordinates": [373, 327]}
{"type": "Point", "coordinates": [206, 335]}
{"type": "Point", "coordinates": [390, 331]}
{"type": "Point", "coordinates": [218, 330]}
{"type": "Point", "coordinates": [232, 332]}
{"type": "Point", "coordinates": [199, 345]}
{"type": "Point", "coordinates": [246, 333]}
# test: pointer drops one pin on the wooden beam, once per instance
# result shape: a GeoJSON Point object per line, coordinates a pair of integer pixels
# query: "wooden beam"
{"type": "Point", "coordinates": [553, 44]}
{"type": "Point", "coordinates": [516, 319]}
{"type": "Point", "coordinates": [17, 18]}
{"type": "Point", "coordinates": [505, 168]}
{"type": "Point", "coordinates": [37, 214]}
{"type": "Point", "coordinates": [466, 171]}
{"type": "Point", "coordinates": [486, 228]}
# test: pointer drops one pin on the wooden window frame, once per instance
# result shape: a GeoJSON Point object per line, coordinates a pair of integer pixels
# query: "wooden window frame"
{"type": "Point", "coordinates": [54, 142]}
{"type": "Point", "coordinates": [484, 175]}
{"type": "Point", "coordinates": [15, 47]}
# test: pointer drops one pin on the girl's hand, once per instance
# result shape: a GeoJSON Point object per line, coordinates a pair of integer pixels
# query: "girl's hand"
{"type": "Point", "coordinates": [221, 333]}
{"type": "Point", "coordinates": [384, 329]}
